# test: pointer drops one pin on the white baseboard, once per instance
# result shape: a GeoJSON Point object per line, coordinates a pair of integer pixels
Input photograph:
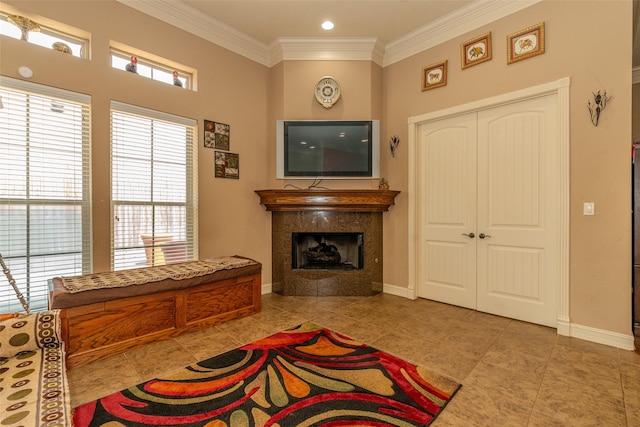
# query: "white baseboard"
{"type": "Point", "coordinates": [600, 336]}
{"type": "Point", "coordinates": [398, 291]}
{"type": "Point", "coordinates": [266, 288]}
{"type": "Point", "coordinates": [563, 327]}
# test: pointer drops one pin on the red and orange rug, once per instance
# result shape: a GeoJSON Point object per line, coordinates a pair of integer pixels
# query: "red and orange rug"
{"type": "Point", "coordinates": [305, 376]}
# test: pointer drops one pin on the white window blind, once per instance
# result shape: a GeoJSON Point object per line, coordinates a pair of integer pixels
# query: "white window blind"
{"type": "Point", "coordinates": [153, 189]}
{"type": "Point", "coordinates": [45, 228]}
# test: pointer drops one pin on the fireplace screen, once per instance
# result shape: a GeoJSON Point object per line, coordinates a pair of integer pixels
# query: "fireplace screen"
{"type": "Point", "coordinates": [329, 251]}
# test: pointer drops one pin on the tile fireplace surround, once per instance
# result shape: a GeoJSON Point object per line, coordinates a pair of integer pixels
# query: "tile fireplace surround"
{"type": "Point", "coordinates": [326, 211]}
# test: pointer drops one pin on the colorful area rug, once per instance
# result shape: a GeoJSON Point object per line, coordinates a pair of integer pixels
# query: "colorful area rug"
{"type": "Point", "coordinates": [305, 376]}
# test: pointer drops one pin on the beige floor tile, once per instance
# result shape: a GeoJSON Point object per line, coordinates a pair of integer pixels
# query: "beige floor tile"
{"type": "Point", "coordinates": [447, 418]}
{"type": "Point", "coordinates": [526, 338]}
{"type": "Point", "coordinates": [517, 374]}
{"type": "Point", "coordinates": [361, 331]}
{"type": "Point", "coordinates": [543, 418]}
{"type": "Point", "coordinates": [304, 307]}
{"type": "Point", "coordinates": [629, 356]}
{"type": "Point", "coordinates": [513, 373]}
{"type": "Point", "coordinates": [630, 374]}
{"type": "Point", "coordinates": [577, 410]}
{"type": "Point", "coordinates": [488, 323]}
{"type": "Point", "coordinates": [400, 344]}
{"type": "Point", "coordinates": [159, 358]}
{"type": "Point", "coordinates": [455, 364]}
{"type": "Point", "coordinates": [355, 310]}
{"type": "Point", "coordinates": [582, 365]}
{"type": "Point", "coordinates": [587, 346]}
{"type": "Point", "coordinates": [268, 309]}
{"type": "Point", "coordinates": [572, 395]}
{"type": "Point", "coordinates": [489, 407]}
{"type": "Point", "coordinates": [382, 322]}
{"type": "Point", "coordinates": [335, 303]}
{"type": "Point", "coordinates": [336, 321]}
{"type": "Point", "coordinates": [253, 328]}
{"type": "Point", "coordinates": [208, 343]}
{"type": "Point", "coordinates": [97, 379]}
{"type": "Point", "coordinates": [566, 386]}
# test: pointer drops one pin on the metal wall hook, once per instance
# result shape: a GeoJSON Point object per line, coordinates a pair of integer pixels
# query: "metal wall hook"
{"type": "Point", "coordinates": [598, 106]}
{"type": "Point", "coordinates": [393, 144]}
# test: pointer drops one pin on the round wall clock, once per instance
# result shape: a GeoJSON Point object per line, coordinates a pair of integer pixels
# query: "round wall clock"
{"type": "Point", "coordinates": [327, 91]}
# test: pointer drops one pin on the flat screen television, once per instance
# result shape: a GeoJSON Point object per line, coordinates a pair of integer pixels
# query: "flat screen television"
{"type": "Point", "coordinates": [313, 149]}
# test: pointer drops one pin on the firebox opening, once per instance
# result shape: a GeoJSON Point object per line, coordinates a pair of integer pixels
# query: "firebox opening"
{"type": "Point", "coordinates": [327, 251]}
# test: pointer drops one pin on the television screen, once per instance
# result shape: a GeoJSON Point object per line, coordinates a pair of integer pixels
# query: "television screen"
{"type": "Point", "coordinates": [328, 149]}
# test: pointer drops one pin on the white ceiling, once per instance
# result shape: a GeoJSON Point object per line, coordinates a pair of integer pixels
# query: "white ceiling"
{"type": "Point", "coordinates": [387, 31]}
{"type": "Point", "coordinates": [266, 21]}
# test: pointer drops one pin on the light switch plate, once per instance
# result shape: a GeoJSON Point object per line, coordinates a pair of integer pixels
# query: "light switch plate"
{"type": "Point", "coordinates": [589, 208]}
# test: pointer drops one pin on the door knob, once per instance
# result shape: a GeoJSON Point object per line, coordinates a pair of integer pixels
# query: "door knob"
{"type": "Point", "coordinates": [482, 235]}
{"type": "Point", "coordinates": [470, 235]}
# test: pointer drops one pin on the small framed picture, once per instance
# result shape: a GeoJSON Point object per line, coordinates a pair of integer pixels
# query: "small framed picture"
{"type": "Point", "coordinates": [227, 165]}
{"type": "Point", "coordinates": [434, 75]}
{"type": "Point", "coordinates": [216, 135]}
{"type": "Point", "coordinates": [476, 51]}
{"type": "Point", "coordinates": [525, 43]}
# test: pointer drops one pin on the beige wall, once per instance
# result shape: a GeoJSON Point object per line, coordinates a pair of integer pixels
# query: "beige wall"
{"type": "Point", "coordinates": [294, 83]}
{"type": "Point", "coordinates": [600, 245]}
{"type": "Point", "coordinates": [231, 89]}
{"type": "Point", "coordinates": [251, 97]}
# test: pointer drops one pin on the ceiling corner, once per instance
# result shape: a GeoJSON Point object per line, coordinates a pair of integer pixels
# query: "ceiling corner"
{"type": "Point", "coordinates": [477, 14]}
{"type": "Point", "coordinates": [450, 26]}
{"type": "Point", "coordinates": [188, 19]}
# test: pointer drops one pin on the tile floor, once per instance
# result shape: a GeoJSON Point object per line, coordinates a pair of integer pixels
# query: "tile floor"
{"type": "Point", "coordinates": [513, 373]}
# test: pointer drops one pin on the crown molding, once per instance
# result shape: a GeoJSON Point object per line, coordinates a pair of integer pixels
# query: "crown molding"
{"type": "Point", "coordinates": [327, 49]}
{"type": "Point", "coordinates": [189, 19]}
{"type": "Point", "coordinates": [477, 14]}
{"type": "Point", "coordinates": [455, 24]}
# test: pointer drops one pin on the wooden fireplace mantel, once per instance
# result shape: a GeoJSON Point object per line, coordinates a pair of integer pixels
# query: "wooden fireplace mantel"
{"type": "Point", "coordinates": [328, 200]}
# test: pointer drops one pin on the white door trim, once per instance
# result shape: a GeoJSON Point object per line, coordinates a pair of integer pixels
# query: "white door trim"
{"type": "Point", "coordinates": [561, 89]}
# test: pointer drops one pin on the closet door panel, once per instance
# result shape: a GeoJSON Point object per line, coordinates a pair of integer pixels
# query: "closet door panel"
{"type": "Point", "coordinates": [517, 260]}
{"type": "Point", "coordinates": [447, 210]}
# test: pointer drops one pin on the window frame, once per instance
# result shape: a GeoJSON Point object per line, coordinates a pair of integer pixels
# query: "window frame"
{"type": "Point", "coordinates": [86, 224]}
{"type": "Point", "coordinates": [185, 77]}
{"type": "Point", "coordinates": [191, 184]}
{"type": "Point", "coordinates": [50, 31]}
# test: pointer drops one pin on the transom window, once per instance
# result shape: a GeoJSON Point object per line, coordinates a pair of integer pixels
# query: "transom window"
{"type": "Point", "coordinates": [151, 69]}
{"type": "Point", "coordinates": [45, 220]}
{"type": "Point", "coordinates": [153, 187]}
{"type": "Point", "coordinates": [18, 27]}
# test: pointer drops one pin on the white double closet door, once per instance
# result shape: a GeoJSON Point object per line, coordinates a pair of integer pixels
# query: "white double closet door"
{"type": "Point", "coordinates": [487, 221]}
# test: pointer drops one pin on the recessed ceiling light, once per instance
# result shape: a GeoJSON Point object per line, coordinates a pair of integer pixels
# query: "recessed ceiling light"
{"type": "Point", "coordinates": [327, 25]}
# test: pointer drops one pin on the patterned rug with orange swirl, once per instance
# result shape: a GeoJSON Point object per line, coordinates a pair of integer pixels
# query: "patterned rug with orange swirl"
{"type": "Point", "coordinates": [304, 376]}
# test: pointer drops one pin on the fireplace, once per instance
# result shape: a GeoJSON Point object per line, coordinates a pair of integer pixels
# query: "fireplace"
{"type": "Point", "coordinates": [328, 225]}
{"type": "Point", "coordinates": [326, 229]}
{"type": "Point", "coordinates": [327, 251]}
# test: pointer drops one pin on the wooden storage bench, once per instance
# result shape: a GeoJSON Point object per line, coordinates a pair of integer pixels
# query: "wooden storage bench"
{"type": "Point", "coordinates": [103, 322]}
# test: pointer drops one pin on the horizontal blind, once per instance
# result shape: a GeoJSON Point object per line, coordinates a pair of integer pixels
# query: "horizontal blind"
{"type": "Point", "coordinates": [153, 190]}
{"type": "Point", "coordinates": [45, 228]}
